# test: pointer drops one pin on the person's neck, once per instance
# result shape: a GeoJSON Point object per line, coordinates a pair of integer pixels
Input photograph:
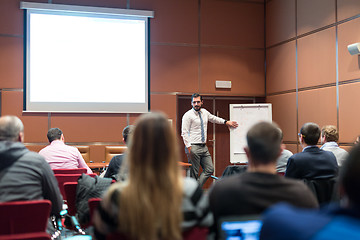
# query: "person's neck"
{"type": "Point", "coordinates": [263, 168]}
{"type": "Point", "coordinates": [304, 145]}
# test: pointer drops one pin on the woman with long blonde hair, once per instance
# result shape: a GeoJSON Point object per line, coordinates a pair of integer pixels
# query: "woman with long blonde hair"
{"type": "Point", "coordinates": [156, 202]}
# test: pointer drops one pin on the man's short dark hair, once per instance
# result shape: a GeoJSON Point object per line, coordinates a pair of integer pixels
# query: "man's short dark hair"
{"type": "Point", "coordinates": [311, 133]}
{"type": "Point", "coordinates": [350, 175]}
{"type": "Point", "coordinates": [54, 134]}
{"type": "Point", "coordinates": [264, 142]}
{"type": "Point", "coordinates": [195, 95]}
{"type": "Point", "coordinates": [127, 131]}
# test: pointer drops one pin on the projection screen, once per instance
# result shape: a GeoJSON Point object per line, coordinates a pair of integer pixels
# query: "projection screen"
{"type": "Point", "coordinates": [85, 59]}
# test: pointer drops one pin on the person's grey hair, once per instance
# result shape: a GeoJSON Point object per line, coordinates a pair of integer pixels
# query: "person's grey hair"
{"type": "Point", "coordinates": [10, 128]}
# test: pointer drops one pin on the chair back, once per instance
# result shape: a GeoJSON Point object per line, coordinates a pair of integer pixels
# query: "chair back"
{"type": "Point", "coordinates": [196, 233]}
{"type": "Point", "coordinates": [70, 171]}
{"type": "Point", "coordinates": [234, 169]}
{"type": "Point", "coordinates": [63, 178]}
{"type": "Point", "coordinates": [111, 151]}
{"type": "Point", "coordinates": [70, 193]}
{"type": "Point", "coordinates": [85, 152]}
{"type": "Point", "coordinates": [21, 217]}
{"type": "Point", "coordinates": [324, 189]}
{"type": "Point", "coordinates": [93, 205]}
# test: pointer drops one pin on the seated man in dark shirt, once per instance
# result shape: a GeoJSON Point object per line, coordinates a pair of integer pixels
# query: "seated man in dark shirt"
{"type": "Point", "coordinates": [117, 161]}
{"type": "Point", "coordinates": [312, 162]}
{"type": "Point", "coordinates": [260, 187]}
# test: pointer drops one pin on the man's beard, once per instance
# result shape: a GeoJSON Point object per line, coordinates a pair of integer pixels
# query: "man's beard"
{"type": "Point", "coordinates": [198, 108]}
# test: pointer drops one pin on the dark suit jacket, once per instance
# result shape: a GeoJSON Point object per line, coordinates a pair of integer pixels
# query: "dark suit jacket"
{"type": "Point", "coordinates": [312, 163]}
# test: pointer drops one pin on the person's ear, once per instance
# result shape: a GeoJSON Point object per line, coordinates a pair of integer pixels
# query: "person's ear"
{"type": "Point", "coordinates": [301, 138]}
{"type": "Point", "coordinates": [247, 151]}
{"type": "Point", "coordinates": [249, 157]}
{"type": "Point", "coordinates": [282, 148]}
{"type": "Point", "coordinates": [21, 137]}
{"type": "Point", "coordinates": [62, 138]}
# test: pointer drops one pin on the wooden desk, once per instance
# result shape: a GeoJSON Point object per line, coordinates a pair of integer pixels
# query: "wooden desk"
{"type": "Point", "coordinates": [102, 165]}
{"type": "Point", "coordinates": [185, 168]}
{"type": "Point", "coordinates": [97, 167]}
{"type": "Point", "coordinates": [184, 164]}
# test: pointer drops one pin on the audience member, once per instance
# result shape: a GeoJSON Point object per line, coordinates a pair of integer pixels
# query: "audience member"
{"type": "Point", "coordinates": [117, 162]}
{"type": "Point", "coordinates": [357, 140]}
{"type": "Point", "coordinates": [24, 175]}
{"type": "Point", "coordinates": [312, 162]}
{"type": "Point", "coordinates": [260, 187]}
{"type": "Point", "coordinates": [283, 222]}
{"type": "Point", "coordinates": [282, 160]}
{"type": "Point", "coordinates": [59, 155]}
{"type": "Point", "coordinates": [329, 139]}
{"type": "Point", "coordinates": [155, 202]}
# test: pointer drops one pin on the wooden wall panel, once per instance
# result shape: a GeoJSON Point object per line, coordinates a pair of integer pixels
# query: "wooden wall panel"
{"type": "Point", "coordinates": [312, 14]}
{"type": "Point", "coordinates": [11, 20]}
{"type": "Point", "coordinates": [292, 148]}
{"type": "Point", "coordinates": [281, 68]}
{"type": "Point", "coordinates": [218, 18]}
{"type": "Point", "coordinates": [319, 82]}
{"type": "Point", "coordinates": [318, 106]}
{"type": "Point", "coordinates": [35, 124]}
{"type": "Point", "coordinates": [347, 8]}
{"type": "Point", "coordinates": [35, 148]}
{"type": "Point", "coordinates": [174, 21]}
{"type": "Point", "coordinates": [165, 104]}
{"type": "Point", "coordinates": [133, 117]}
{"type": "Point", "coordinates": [317, 59]}
{"type": "Point", "coordinates": [280, 21]}
{"type": "Point", "coordinates": [11, 62]}
{"type": "Point", "coordinates": [349, 126]}
{"type": "Point", "coordinates": [284, 114]}
{"type": "Point", "coordinates": [349, 66]}
{"type": "Point", "coordinates": [174, 68]}
{"type": "Point", "coordinates": [90, 127]}
{"type": "Point", "coordinates": [242, 67]}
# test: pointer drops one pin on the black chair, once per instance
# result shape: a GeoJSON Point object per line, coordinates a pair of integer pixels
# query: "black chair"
{"type": "Point", "coordinates": [324, 189]}
{"type": "Point", "coordinates": [234, 169]}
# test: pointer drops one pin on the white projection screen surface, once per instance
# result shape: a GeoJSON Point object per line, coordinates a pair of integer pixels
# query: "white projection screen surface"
{"type": "Point", "coordinates": [85, 59]}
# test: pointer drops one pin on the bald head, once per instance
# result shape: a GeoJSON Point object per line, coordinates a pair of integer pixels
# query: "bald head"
{"type": "Point", "coordinates": [11, 129]}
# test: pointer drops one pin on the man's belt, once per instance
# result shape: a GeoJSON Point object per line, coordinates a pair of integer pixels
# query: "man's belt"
{"type": "Point", "coordinates": [199, 144]}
